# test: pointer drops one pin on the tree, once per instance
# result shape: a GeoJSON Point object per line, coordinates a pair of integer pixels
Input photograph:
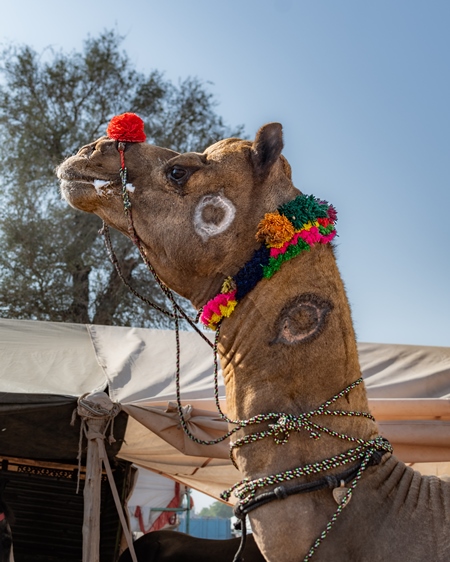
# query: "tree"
{"type": "Point", "coordinates": [217, 509]}
{"type": "Point", "coordinates": [53, 264]}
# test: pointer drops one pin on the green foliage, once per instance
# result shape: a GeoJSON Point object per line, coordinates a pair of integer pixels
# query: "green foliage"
{"type": "Point", "coordinates": [53, 265]}
{"type": "Point", "coordinates": [217, 509]}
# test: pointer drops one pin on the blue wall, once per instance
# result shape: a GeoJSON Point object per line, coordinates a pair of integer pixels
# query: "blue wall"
{"type": "Point", "coordinates": [207, 527]}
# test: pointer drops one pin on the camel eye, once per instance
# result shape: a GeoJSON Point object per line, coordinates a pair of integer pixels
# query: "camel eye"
{"type": "Point", "coordinates": [177, 173]}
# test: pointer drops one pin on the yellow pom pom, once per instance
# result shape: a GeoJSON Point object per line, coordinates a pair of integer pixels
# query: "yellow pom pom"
{"type": "Point", "coordinates": [227, 310]}
{"type": "Point", "coordinates": [228, 285]}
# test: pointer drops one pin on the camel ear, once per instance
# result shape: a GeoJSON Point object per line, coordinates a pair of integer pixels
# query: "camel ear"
{"type": "Point", "coordinates": [267, 148]}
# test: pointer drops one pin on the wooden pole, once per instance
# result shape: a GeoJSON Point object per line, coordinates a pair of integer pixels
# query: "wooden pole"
{"type": "Point", "coordinates": [92, 491]}
{"type": "Point", "coordinates": [97, 412]}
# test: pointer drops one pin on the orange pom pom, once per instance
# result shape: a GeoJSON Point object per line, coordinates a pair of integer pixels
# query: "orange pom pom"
{"type": "Point", "coordinates": [275, 230]}
{"type": "Point", "coordinates": [127, 127]}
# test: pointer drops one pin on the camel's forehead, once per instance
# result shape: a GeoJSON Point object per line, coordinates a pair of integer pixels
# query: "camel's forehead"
{"type": "Point", "coordinates": [228, 147]}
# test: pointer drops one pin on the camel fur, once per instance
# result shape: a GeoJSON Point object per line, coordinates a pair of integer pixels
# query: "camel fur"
{"type": "Point", "coordinates": [173, 546]}
{"type": "Point", "coordinates": [196, 216]}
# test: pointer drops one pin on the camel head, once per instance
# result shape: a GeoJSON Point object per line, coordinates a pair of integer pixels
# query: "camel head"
{"type": "Point", "coordinates": [195, 213]}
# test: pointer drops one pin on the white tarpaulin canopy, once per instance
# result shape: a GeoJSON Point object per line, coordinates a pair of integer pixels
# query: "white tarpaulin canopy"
{"type": "Point", "coordinates": [45, 365]}
{"type": "Point", "coordinates": [150, 492]}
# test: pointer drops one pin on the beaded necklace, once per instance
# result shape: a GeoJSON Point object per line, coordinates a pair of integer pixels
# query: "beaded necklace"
{"type": "Point", "coordinates": [294, 228]}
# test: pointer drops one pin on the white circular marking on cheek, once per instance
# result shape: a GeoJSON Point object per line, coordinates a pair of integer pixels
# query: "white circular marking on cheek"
{"type": "Point", "coordinates": [208, 229]}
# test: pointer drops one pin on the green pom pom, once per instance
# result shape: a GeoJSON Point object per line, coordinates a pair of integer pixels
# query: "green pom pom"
{"type": "Point", "coordinates": [302, 209]}
{"type": "Point", "coordinates": [275, 263]}
{"type": "Point", "coordinates": [324, 230]}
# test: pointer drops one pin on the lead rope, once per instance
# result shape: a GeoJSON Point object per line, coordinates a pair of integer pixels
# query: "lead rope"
{"type": "Point", "coordinates": [380, 445]}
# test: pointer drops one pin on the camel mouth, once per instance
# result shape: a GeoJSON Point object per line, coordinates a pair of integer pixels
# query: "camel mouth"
{"type": "Point", "coordinates": [70, 184]}
{"type": "Point", "coordinates": [69, 175]}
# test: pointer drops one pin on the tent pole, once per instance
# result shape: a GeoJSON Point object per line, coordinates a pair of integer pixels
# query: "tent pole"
{"type": "Point", "coordinates": [188, 511]}
{"type": "Point", "coordinates": [97, 413]}
{"type": "Point", "coordinates": [92, 491]}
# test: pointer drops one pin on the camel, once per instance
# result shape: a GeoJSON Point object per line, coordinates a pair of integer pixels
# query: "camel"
{"type": "Point", "coordinates": [173, 546]}
{"type": "Point", "coordinates": [209, 223]}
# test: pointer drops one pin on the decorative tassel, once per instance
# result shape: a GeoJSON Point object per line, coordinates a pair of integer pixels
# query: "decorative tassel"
{"type": "Point", "coordinates": [127, 127]}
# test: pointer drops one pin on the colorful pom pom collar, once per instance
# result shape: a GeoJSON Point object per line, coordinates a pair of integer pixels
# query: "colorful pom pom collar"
{"type": "Point", "coordinates": [294, 228]}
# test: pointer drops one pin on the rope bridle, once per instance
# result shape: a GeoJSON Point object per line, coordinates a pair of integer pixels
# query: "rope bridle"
{"type": "Point", "coordinates": [364, 452]}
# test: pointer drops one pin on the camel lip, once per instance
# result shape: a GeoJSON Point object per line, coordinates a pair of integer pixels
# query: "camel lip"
{"type": "Point", "coordinates": [66, 173]}
{"type": "Point", "coordinates": [72, 188]}
{"type": "Point", "coordinates": [76, 180]}
{"type": "Point", "coordinates": [70, 176]}
{"type": "Point", "coordinates": [70, 184]}
{"type": "Point", "coordinates": [70, 179]}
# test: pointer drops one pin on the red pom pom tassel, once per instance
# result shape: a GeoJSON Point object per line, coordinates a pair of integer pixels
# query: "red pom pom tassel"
{"type": "Point", "coordinates": [127, 127]}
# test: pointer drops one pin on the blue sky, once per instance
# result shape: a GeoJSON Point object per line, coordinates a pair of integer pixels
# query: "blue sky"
{"type": "Point", "coordinates": [362, 90]}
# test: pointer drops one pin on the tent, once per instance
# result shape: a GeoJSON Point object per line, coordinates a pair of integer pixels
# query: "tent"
{"type": "Point", "coordinates": [151, 492]}
{"type": "Point", "coordinates": [46, 368]}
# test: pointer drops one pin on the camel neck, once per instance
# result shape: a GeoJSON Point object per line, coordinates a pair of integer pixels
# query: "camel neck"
{"type": "Point", "coordinates": [300, 323]}
{"type": "Point", "coordinates": [288, 348]}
